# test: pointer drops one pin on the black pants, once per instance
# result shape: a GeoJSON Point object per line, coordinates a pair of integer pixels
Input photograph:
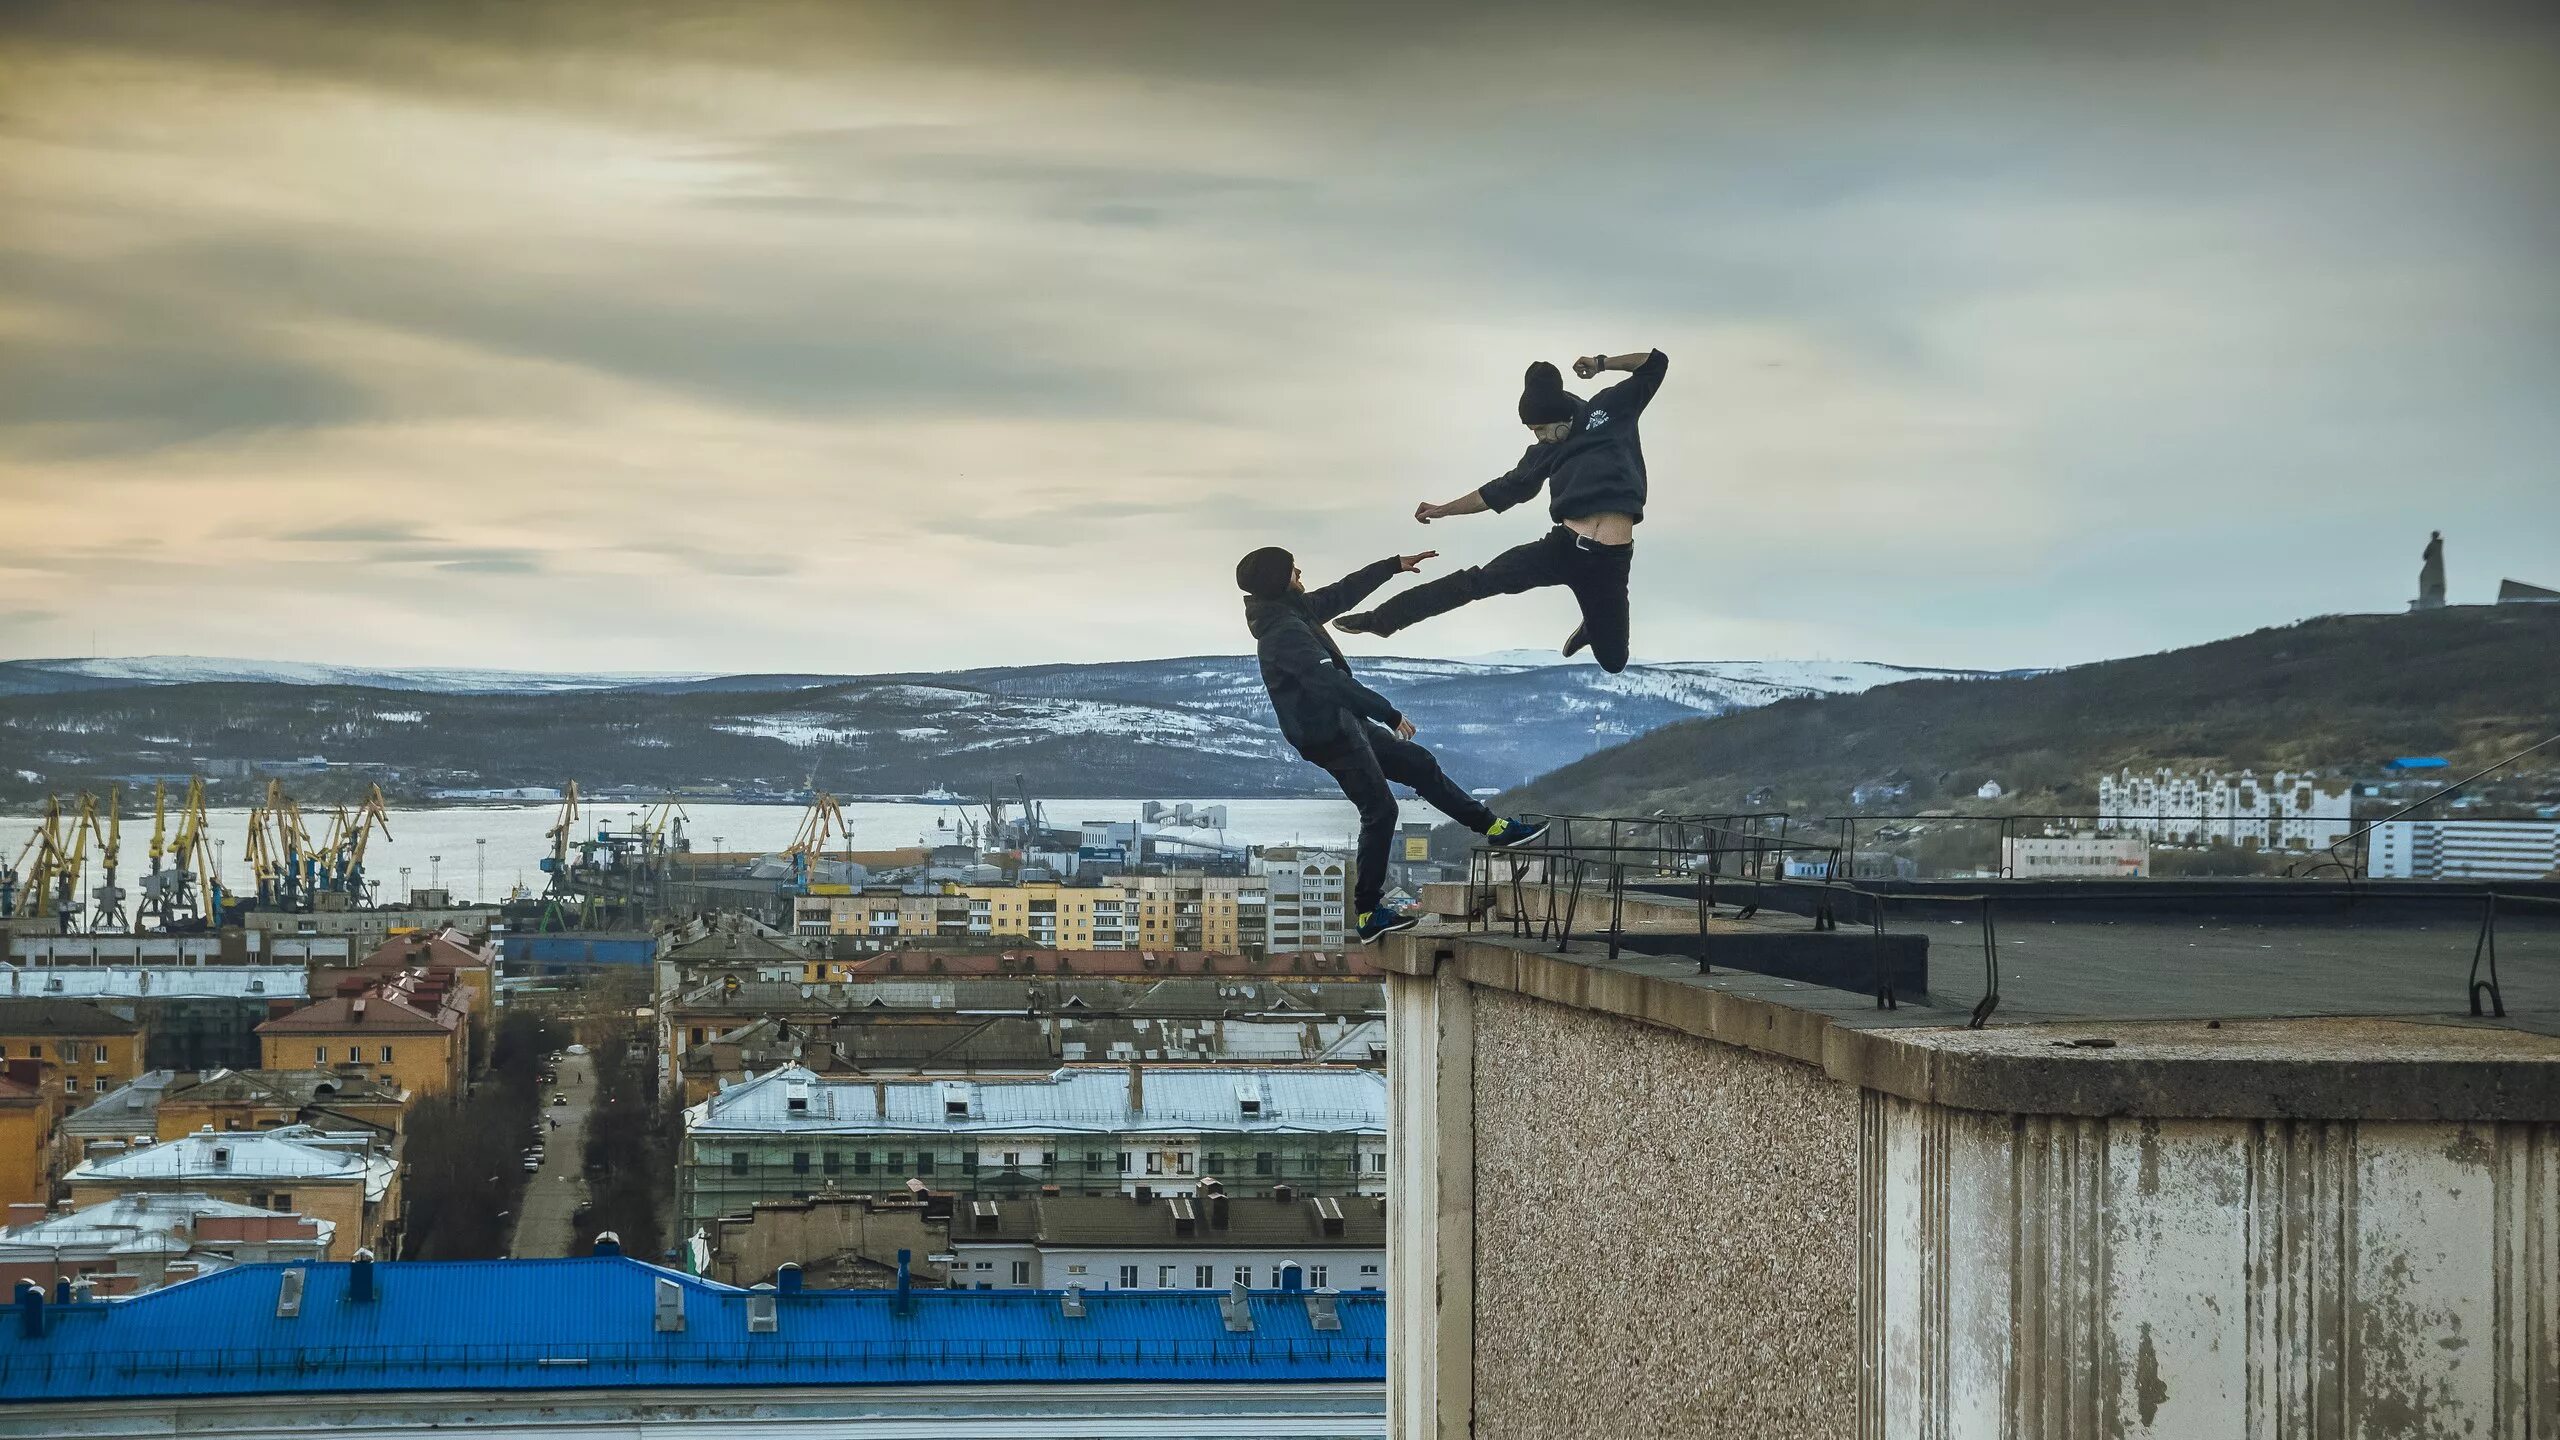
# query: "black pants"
{"type": "Point", "coordinates": [1595, 573]}
{"type": "Point", "coordinates": [1363, 772]}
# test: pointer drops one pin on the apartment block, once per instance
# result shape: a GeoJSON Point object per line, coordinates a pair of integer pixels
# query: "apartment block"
{"type": "Point", "coordinates": [1105, 1129]}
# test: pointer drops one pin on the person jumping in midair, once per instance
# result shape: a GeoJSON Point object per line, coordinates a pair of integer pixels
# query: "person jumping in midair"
{"type": "Point", "coordinates": [1588, 456]}
{"type": "Point", "coordinates": [1345, 728]}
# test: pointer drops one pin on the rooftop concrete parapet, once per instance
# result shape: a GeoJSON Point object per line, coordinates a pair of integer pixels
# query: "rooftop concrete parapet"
{"type": "Point", "coordinates": [1637, 1199]}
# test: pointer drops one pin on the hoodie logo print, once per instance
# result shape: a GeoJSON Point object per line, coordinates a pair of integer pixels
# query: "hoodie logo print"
{"type": "Point", "coordinates": [1598, 419]}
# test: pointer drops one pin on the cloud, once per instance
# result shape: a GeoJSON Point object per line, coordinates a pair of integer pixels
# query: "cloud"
{"type": "Point", "coordinates": [2002, 334]}
{"type": "Point", "coordinates": [359, 532]}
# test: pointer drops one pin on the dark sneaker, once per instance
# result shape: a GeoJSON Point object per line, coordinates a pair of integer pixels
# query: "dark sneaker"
{"type": "Point", "coordinates": [1508, 833]}
{"type": "Point", "coordinates": [1359, 623]}
{"type": "Point", "coordinates": [1376, 925]}
{"type": "Point", "coordinates": [1574, 642]}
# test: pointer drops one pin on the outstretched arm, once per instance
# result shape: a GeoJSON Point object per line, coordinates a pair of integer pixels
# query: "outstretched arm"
{"type": "Point", "coordinates": [1590, 365]}
{"type": "Point", "coordinates": [1509, 490]}
{"type": "Point", "coordinates": [1330, 600]}
{"type": "Point", "coordinates": [1471, 503]}
{"type": "Point", "coordinates": [1351, 589]}
{"type": "Point", "coordinates": [1626, 398]}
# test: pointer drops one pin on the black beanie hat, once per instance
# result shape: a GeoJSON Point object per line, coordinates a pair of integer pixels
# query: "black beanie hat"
{"type": "Point", "coordinates": [1266, 572]}
{"type": "Point", "coordinates": [1543, 400]}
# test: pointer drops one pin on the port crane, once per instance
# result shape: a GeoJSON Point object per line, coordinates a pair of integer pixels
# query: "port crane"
{"type": "Point", "coordinates": [341, 867]}
{"type": "Point", "coordinates": [180, 892]}
{"type": "Point", "coordinates": [106, 899]}
{"type": "Point", "coordinates": [824, 817]}
{"type": "Point", "coordinates": [47, 874]}
{"type": "Point", "coordinates": [279, 852]}
{"type": "Point", "coordinates": [610, 877]}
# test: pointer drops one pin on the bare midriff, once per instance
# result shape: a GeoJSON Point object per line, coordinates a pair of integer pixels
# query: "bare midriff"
{"type": "Point", "coordinates": [1604, 529]}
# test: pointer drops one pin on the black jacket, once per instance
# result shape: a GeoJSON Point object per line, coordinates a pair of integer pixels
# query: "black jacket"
{"type": "Point", "coordinates": [1598, 468]}
{"type": "Point", "coordinates": [1319, 705]}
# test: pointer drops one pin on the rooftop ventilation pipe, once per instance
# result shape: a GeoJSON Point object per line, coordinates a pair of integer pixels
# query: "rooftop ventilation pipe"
{"type": "Point", "coordinates": [607, 1243]}
{"type": "Point", "coordinates": [787, 1279]}
{"type": "Point", "coordinates": [62, 1290]}
{"type": "Point", "coordinates": [289, 1293]}
{"type": "Point", "coordinates": [1071, 1305]}
{"type": "Point", "coordinates": [30, 1310]}
{"type": "Point", "coordinates": [360, 1277]}
{"type": "Point", "coordinates": [1137, 1088]}
{"type": "Point", "coordinates": [906, 1283]}
{"type": "Point", "coordinates": [1237, 1309]}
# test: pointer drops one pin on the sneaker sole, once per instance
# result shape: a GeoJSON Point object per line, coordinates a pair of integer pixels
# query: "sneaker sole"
{"type": "Point", "coordinates": [1407, 923]}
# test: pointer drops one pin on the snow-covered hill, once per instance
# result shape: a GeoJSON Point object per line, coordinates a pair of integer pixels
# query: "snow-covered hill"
{"type": "Point", "coordinates": [1197, 725]}
{"type": "Point", "coordinates": [38, 677]}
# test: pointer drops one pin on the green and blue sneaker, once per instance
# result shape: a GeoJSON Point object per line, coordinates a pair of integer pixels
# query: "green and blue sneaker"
{"type": "Point", "coordinates": [1510, 833]}
{"type": "Point", "coordinates": [1386, 920]}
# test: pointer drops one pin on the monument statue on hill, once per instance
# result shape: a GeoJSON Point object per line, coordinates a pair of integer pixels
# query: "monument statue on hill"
{"type": "Point", "coordinates": [2431, 574]}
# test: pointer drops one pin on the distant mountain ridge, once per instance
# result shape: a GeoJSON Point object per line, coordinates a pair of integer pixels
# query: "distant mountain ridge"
{"type": "Point", "coordinates": [1195, 725]}
{"type": "Point", "coordinates": [2341, 693]}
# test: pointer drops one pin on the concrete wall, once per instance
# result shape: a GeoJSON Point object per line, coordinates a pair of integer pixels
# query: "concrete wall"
{"type": "Point", "coordinates": [1604, 1228]}
{"type": "Point", "coordinates": [1633, 1200]}
{"type": "Point", "coordinates": [1664, 1237]}
{"type": "Point", "coordinates": [2072, 1277]}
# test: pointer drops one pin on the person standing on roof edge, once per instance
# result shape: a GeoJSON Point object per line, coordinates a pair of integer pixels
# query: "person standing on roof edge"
{"type": "Point", "coordinates": [1588, 456]}
{"type": "Point", "coordinates": [1346, 729]}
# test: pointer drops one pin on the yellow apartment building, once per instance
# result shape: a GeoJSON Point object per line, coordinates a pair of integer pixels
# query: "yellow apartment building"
{"type": "Point", "coordinates": [1223, 913]}
{"type": "Point", "coordinates": [417, 1038]}
{"type": "Point", "coordinates": [27, 1110]}
{"type": "Point", "coordinates": [347, 1181]}
{"type": "Point", "coordinates": [87, 1049]}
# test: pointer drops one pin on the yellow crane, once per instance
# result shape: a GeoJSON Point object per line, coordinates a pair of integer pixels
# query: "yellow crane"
{"type": "Point", "coordinates": [563, 835]}
{"type": "Point", "coordinates": [824, 817]}
{"type": "Point", "coordinates": [40, 864]}
{"type": "Point", "coordinates": [341, 858]}
{"type": "Point", "coordinates": [187, 857]}
{"type": "Point", "coordinates": [169, 900]}
{"type": "Point", "coordinates": [279, 850]}
{"type": "Point", "coordinates": [106, 910]}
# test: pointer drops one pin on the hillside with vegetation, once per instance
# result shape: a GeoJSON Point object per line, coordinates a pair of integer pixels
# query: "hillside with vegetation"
{"type": "Point", "coordinates": [2339, 694]}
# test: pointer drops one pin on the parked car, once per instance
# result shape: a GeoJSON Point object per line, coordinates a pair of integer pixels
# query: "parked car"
{"type": "Point", "coordinates": [532, 1162]}
{"type": "Point", "coordinates": [559, 1099]}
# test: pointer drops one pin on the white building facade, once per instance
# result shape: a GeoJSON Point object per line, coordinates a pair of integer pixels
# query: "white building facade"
{"type": "Point", "coordinates": [1308, 892]}
{"type": "Point", "coordinates": [2465, 850]}
{"type": "Point", "coordinates": [2286, 811]}
{"type": "Point", "coordinates": [2085, 856]}
{"type": "Point", "coordinates": [1203, 1241]}
{"type": "Point", "coordinates": [1125, 1130]}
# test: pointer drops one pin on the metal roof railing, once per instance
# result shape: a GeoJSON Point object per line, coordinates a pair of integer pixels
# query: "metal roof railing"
{"type": "Point", "coordinates": [1589, 864]}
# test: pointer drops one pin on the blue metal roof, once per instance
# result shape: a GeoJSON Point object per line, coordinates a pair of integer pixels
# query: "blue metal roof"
{"type": "Point", "coordinates": [590, 1324]}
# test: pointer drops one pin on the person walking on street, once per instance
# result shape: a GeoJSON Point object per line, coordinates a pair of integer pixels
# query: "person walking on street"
{"type": "Point", "coordinates": [1589, 458]}
{"type": "Point", "coordinates": [1346, 729]}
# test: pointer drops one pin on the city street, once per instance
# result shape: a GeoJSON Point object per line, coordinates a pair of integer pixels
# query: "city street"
{"type": "Point", "coordinates": [553, 1194]}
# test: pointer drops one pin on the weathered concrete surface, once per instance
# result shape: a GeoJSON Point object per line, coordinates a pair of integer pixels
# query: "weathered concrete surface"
{"type": "Point", "coordinates": [1665, 1242]}
{"type": "Point", "coordinates": [1884, 1225]}
{"type": "Point", "coordinates": [2080, 1278]}
{"type": "Point", "coordinates": [2428, 1068]}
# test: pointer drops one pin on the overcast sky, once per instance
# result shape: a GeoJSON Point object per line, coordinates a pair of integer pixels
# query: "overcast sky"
{"type": "Point", "coordinates": [838, 337]}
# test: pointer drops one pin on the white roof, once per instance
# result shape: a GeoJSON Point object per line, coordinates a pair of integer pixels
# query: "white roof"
{"type": "Point", "coordinates": [294, 1152]}
{"type": "Point", "coordinates": [1086, 1099]}
{"type": "Point", "coordinates": [135, 1224]}
{"type": "Point", "coordinates": [123, 982]}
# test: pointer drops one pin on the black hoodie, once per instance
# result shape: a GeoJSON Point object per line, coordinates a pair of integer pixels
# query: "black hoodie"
{"type": "Point", "coordinates": [1319, 705]}
{"type": "Point", "coordinates": [1598, 467]}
